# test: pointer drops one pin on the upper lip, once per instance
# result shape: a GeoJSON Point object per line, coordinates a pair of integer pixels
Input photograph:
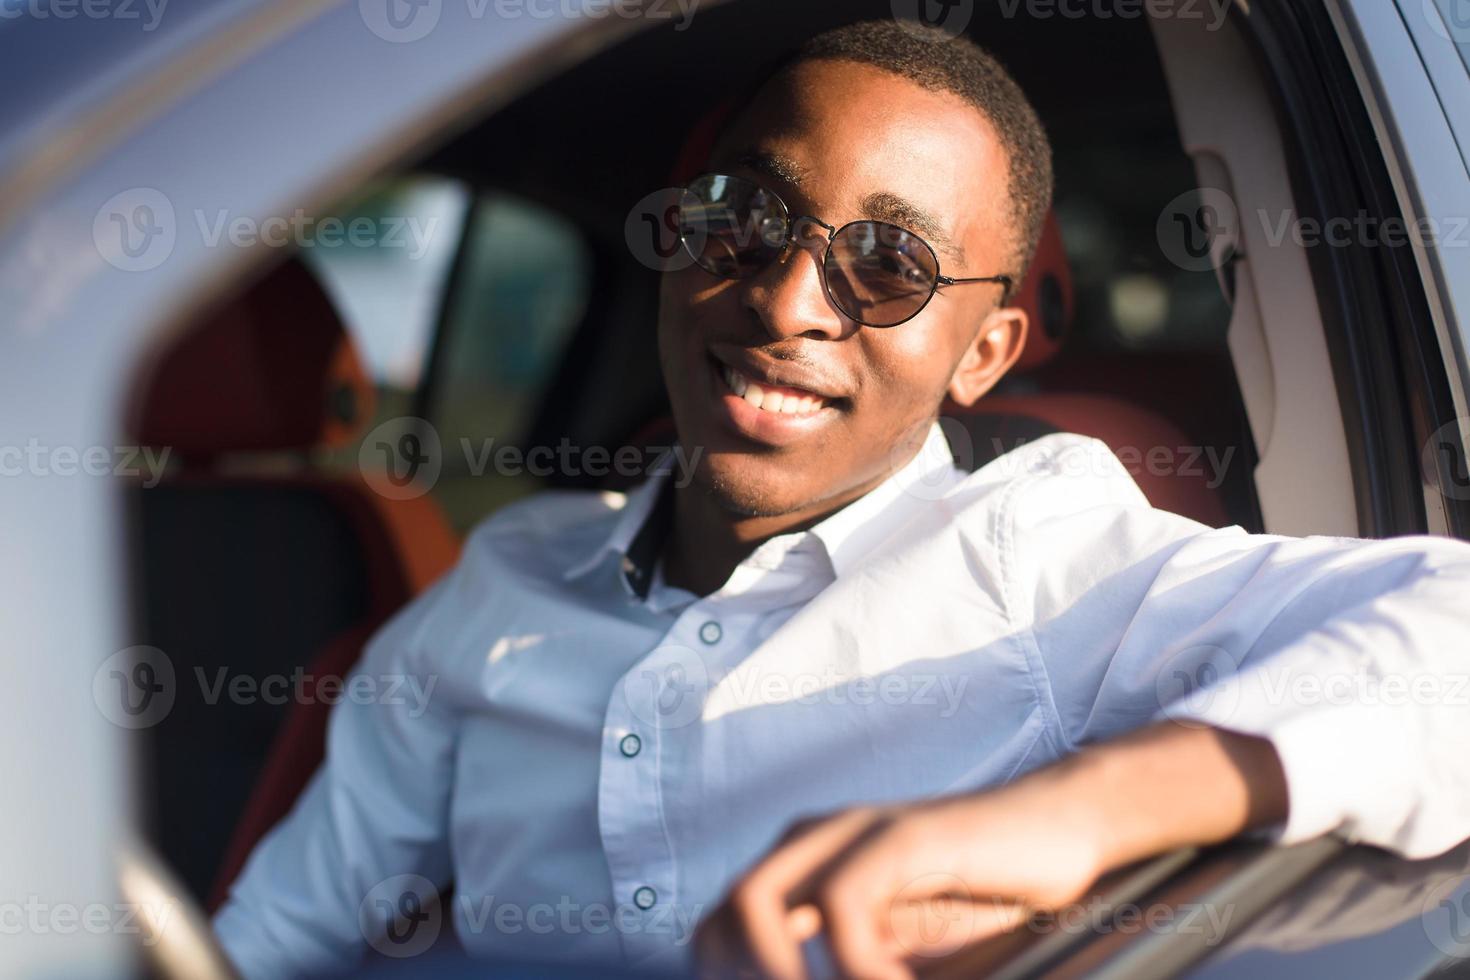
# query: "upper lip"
{"type": "Point", "coordinates": [780, 374]}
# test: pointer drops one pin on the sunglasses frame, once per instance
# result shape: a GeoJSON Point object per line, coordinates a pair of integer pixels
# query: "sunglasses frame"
{"type": "Point", "coordinates": [793, 220]}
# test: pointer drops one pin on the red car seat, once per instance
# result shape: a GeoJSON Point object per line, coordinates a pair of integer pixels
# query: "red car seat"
{"type": "Point", "coordinates": [257, 563]}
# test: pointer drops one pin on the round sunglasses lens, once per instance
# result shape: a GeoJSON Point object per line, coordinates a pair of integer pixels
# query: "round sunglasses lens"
{"type": "Point", "coordinates": [732, 227]}
{"type": "Point", "coordinates": [878, 274]}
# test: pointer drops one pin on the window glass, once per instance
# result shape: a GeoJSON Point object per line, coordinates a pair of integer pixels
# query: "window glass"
{"type": "Point", "coordinates": [521, 292]}
{"type": "Point", "coordinates": [385, 261]}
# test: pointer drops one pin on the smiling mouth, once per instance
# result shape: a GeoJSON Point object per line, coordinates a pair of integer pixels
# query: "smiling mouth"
{"type": "Point", "coordinates": [770, 398]}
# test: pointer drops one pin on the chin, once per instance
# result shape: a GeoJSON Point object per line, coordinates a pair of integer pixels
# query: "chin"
{"type": "Point", "coordinates": [750, 488]}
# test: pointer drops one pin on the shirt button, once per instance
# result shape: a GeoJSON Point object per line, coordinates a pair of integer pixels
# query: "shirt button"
{"type": "Point", "coordinates": [710, 632]}
{"type": "Point", "coordinates": [630, 745]}
{"type": "Point", "coordinates": [645, 897]}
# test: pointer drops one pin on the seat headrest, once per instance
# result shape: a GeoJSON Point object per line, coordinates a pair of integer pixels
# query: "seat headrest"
{"type": "Point", "coordinates": [271, 369]}
{"type": "Point", "coordinates": [1045, 294]}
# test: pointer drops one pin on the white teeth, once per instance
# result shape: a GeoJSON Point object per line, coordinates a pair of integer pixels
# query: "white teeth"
{"type": "Point", "coordinates": [736, 382]}
{"type": "Point", "coordinates": [766, 400]}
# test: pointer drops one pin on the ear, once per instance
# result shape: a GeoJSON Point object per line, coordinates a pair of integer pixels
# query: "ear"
{"type": "Point", "coordinates": [992, 352]}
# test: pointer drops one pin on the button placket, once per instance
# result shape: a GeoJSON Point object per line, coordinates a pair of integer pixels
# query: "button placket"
{"type": "Point", "coordinates": [661, 694]}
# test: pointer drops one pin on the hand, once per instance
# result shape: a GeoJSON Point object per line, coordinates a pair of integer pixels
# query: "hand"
{"type": "Point", "coordinates": [893, 886]}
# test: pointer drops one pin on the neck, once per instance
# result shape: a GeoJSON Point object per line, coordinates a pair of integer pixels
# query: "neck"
{"type": "Point", "coordinates": [707, 540]}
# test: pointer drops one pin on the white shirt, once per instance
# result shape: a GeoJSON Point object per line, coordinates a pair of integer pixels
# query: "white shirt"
{"type": "Point", "coordinates": [596, 756]}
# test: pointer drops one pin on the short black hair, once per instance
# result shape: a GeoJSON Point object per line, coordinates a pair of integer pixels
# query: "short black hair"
{"type": "Point", "coordinates": [938, 61]}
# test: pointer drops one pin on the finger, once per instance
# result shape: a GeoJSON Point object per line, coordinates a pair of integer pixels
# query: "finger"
{"type": "Point", "coordinates": [860, 943]}
{"type": "Point", "coordinates": [760, 902]}
{"type": "Point", "coordinates": [940, 925]}
{"type": "Point", "coordinates": [804, 922]}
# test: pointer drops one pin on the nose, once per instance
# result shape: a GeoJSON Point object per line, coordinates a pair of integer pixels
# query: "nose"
{"type": "Point", "coordinates": [788, 296]}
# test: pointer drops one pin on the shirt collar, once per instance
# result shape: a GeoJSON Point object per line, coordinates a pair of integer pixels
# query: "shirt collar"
{"type": "Point", "coordinates": [638, 534]}
{"type": "Point", "coordinates": [850, 533]}
{"type": "Point", "coordinates": [646, 514]}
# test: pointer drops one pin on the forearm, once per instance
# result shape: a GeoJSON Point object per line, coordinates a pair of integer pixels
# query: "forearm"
{"type": "Point", "coordinates": [1170, 785]}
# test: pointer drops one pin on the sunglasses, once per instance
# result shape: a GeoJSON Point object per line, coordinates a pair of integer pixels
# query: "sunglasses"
{"type": "Point", "coordinates": [877, 274]}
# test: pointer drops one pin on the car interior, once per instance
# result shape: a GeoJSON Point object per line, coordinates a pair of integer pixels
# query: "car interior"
{"type": "Point", "coordinates": [272, 545]}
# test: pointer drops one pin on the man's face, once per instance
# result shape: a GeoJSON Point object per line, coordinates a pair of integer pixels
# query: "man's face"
{"type": "Point", "coordinates": [840, 141]}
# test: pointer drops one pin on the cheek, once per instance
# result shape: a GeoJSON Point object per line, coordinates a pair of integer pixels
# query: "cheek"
{"type": "Point", "coordinates": [912, 368]}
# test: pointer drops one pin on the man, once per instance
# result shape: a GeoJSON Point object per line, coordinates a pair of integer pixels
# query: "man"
{"type": "Point", "coordinates": [637, 697]}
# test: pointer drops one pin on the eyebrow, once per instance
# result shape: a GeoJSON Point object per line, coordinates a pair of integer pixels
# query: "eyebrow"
{"type": "Point", "coordinates": [879, 206]}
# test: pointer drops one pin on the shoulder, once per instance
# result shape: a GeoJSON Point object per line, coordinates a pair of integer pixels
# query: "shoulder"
{"type": "Point", "coordinates": [1053, 476]}
{"type": "Point", "coordinates": [548, 532]}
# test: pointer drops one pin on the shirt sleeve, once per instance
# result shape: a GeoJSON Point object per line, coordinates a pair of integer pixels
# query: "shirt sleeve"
{"type": "Point", "coordinates": [373, 817]}
{"type": "Point", "coordinates": [1352, 657]}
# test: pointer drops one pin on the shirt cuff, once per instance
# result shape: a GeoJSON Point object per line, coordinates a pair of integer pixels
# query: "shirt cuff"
{"type": "Point", "coordinates": [1346, 762]}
